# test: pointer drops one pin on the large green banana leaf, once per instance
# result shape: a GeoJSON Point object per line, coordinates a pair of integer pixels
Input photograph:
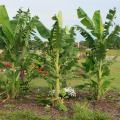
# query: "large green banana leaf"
{"type": "Point", "coordinates": [56, 32]}
{"type": "Point", "coordinates": [5, 23]}
{"type": "Point", "coordinates": [98, 25]}
{"type": "Point", "coordinates": [85, 20]}
{"type": "Point", "coordinates": [43, 31]}
{"type": "Point", "coordinates": [110, 16]}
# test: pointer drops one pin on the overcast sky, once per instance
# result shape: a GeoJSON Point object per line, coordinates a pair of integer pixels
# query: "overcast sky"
{"type": "Point", "coordinates": [45, 9]}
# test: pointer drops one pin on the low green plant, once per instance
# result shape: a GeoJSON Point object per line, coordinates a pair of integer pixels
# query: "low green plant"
{"type": "Point", "coordinates": [60, 106]}
{"type": "Point", "coordinates": [10, 83]}
{"type": "Point", "coordinates": [44, 101]}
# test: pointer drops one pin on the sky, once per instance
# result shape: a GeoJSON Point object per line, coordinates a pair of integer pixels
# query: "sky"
{"type": "Point", "coordinates": [45, 9]}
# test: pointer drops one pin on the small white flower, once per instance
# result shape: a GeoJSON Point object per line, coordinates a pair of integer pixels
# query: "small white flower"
{"type": "Point", "coordinates": [88, 49]}
{"type": "Point", "coordinates": [70, 92]}
{"type": "Point", "coordinates": [4, 70]}
{"type": "Point", "coordinates": [52, 92]}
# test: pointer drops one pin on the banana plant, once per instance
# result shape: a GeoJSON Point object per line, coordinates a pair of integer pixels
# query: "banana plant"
{"type": "Point", "coordinates": [55, 43]}
{"type": "Point", "coordinates": [6, 35]}
{"type": "Point", "coordinates": [59, 53]}
{"type": "Point", "coordinates": [97, 36]}
{"type": "Point", "coordinates": [15, 35]}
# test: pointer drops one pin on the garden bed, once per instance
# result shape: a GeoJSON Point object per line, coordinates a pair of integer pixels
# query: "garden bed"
{"type": "Point", "coordinates": [107, 105]}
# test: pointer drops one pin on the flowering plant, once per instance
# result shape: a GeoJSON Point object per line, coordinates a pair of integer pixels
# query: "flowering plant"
{"type": "Point", "coordinates": [70, 92]}
{"type": "Point", "coordinates": [67, 92]}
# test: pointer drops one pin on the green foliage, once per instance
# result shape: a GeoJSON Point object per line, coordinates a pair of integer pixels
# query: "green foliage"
{"type": "Point", "coordinates": [43, 31]}
{"type": "Point", "coordinates": [82, 112]}
{"type": "Point", "coordinates": [5, 24]}
{"type": "Point", "coordinates": [110, 17]}
{"type": "Point", "coordinates": [113, 38]}
{"type": "Point", "coordinates": [60, 106]}
{"type": "Point", "coordinates": [21, 115]}
{"type": "Point", "coordinates": [63, 93]}
{"type": "Point", "coordinates": [50, 83]}
{"type": "Point", "coordinates": [43, 101]}
{"type": "Point", "coordinates": [97, 36]}
{"type": "Point", "coordinates": [16, 35]}
{"type": "Point", "coordinates": [10, 83]}
{"type": "Point", "coordinates": [59, 53]}
{"type": "Point", "coordinates": [85, 20]}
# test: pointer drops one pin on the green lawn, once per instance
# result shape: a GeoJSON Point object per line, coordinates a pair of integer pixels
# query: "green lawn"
{"type": "Point", "coordinates": [114, 76]}
{"type": "Point", "coordinates": [113, 52]}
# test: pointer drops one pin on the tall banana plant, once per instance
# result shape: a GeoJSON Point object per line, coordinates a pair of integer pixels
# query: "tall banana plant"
{"type": "Point", "coordinates": [15, 35]}
{"type": "Point", "coordinates": [59, 53]}
{"type": "Point", "coordinates": [98, 36]}
{"type": "Point", "coordinates": [6, 37]}
{"type": "Point", "coordinates": [50, 56]}
{"type": "Point", "coordinates": [55, 41]}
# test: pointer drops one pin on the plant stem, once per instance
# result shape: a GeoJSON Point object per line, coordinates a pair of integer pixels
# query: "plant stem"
{"type": "Point", "coordinates": [57, 91]}
{"type": "Point", "coordinates": [99, 80]}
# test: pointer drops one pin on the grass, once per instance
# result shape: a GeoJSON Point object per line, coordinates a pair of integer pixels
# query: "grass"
{"type": "Point", "coordinates": [21, 115]}
{"type": "Point", "coordinates": [81, 112]}
{"type": "Point", "coordinates": [114, 76]}
{"type": "Point", "coordinates": [38, 82]}
{"type": "Point", "coordinates": [113, 53]}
